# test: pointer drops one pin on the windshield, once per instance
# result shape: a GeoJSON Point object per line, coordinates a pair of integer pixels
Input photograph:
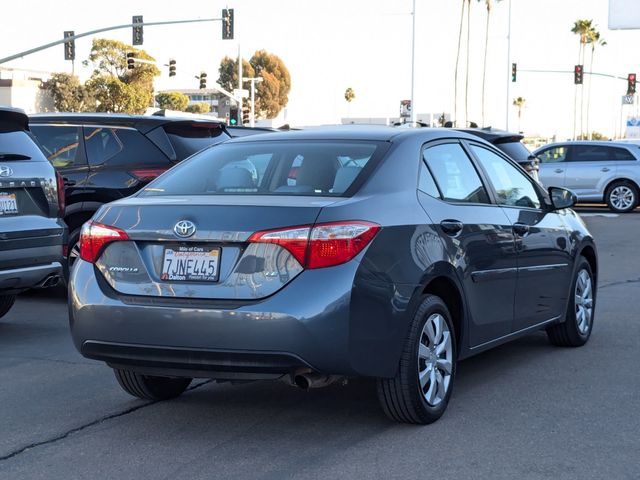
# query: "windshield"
{"type": "Point", "coordinates": [317, 168]}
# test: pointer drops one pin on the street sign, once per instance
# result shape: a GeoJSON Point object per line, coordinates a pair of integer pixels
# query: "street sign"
{"type": "Point", "coordinates": [405, 108]}
{"type": "Point", "coordinates": [244, 93]}
{"type": "Point", "coordinates": [627, 100]}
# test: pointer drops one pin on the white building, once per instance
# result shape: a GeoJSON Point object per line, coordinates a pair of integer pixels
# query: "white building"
{"type": "Point", "coordinates": [22, 89]}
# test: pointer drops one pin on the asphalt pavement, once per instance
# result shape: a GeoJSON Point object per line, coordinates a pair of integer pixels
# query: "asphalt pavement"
{"type": "Point", "coordinates": [525, 410]}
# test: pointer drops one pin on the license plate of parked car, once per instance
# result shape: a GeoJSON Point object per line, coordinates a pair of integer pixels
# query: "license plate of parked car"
{"type": "Point", "coordinates": [190, 264]}
{"type": "Point", "coordinates": [8, 204]}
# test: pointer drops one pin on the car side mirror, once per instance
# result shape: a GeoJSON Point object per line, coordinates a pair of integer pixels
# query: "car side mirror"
{"type": "Point", "coordinates": [562, 198]}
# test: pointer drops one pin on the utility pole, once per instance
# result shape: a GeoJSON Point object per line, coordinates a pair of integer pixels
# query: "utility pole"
{"type": "Point", "coordinates": [413, 61]}
{"type": "Point", "coordinates": [253, 80]}
{"type": "Point", "coordinates": [239, 119]}
{"type": "Point", "coordinates": [509, 65]}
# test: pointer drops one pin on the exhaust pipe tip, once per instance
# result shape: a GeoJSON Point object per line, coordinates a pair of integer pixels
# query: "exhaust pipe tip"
{"type": "Point", "coordinates": [302, 381]}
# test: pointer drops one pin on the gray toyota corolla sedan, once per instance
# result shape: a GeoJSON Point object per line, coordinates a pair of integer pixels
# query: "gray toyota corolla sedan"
{"type": "Point", "coordinates": [319, 255]}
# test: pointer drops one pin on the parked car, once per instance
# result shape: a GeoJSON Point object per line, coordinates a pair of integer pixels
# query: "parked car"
{"type": "Point", "coordinates": [511, 144]}
{"type": "Point", "coordinates": [32, 232]}
{"type": "Point", "coordinates": [389, 254]}
{"type": "Point", "coordinates": [104, 157]}
{"type": "Point", "coordinates": [595, 171]}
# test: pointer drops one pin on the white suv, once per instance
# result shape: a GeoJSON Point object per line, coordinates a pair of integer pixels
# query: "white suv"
{"type": "Point", "coordinates": [594, 171]}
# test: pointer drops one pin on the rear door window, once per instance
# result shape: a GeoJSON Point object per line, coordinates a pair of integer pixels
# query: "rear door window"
{"type": "Point", "coordinates": [591, 153]}
{"type": "Point", "coordinates": [121, 146]}
{"type": "Point", "coordinates": [61, 144]}
{"type": "Point", "coordinates": [454, 173]}
{"type": "Point", "coordinates": [271, 168]}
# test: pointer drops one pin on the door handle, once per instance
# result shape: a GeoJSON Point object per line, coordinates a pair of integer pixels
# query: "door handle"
{"type": "Point", "coordinates": [521, 229]}
{"type": "Point", "coordinates": [558, 170]}
{"type": "Point", "coordinates": [604, 169]}
{"type": "Point", "coordinates": [67, 182]}
{"type": "Point", "coordinates": [451, 227]}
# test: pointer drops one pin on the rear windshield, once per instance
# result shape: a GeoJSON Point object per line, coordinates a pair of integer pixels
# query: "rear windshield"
{"type": "Point", "coordinates": [19, 143]}
{"type": "Point", "coordinates": [515, 150]}
{"type": "Point", "coordinates": [188, 138]}
{"type": "Point", "coordinates": [270, 168]}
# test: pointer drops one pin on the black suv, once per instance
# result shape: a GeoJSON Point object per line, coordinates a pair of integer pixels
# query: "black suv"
{"type": "Point", "coordinates": [509, 143]}
{"type": "Point", "coordinates": [32, 232]}
{"type": "Point", "coordinates": [105, 157]}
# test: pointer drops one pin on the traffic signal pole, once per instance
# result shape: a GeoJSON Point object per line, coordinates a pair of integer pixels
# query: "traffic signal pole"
{"type": "Point", "coordinates": [100, 30]}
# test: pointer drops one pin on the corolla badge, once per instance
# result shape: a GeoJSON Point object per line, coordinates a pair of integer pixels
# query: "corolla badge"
{"type": "Point", "coordinates": [184, 228]}
{"type": "Point", "coordinates": [5, 171]}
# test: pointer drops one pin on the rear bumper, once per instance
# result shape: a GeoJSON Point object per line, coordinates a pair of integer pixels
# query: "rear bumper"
{"type": "Point", "coordinates": [17, 279]}
{"type": "Point", "coordinates": [308, 324]}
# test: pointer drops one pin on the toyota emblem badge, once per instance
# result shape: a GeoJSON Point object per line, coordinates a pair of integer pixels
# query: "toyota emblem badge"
{"type": "Point", "coordinates": [184, 228]}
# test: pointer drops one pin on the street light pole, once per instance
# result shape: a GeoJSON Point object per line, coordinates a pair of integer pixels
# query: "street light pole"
{"type": "Point", "coordinates": [506, 127]}
{"type": "Point", "coordinates": [253, 80]}
{"type": "Point", "coordinates": [413, 61]}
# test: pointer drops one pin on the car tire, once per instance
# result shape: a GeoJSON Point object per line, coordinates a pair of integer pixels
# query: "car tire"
{"type": "Point", "coordinates": [73, 253]}
{"type": "Point", "coordinates": [6, 302]}
{"type": "Point", "coordinates": [622, 196]}
{"type": "Point", "coordinates": [150, 387]}
{"type": "Point", "coordinates": [578, 324]}
{"type": "Point", "coordinates": [429, 351]}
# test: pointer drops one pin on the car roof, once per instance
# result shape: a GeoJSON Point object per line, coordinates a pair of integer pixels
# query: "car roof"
{"type": "Point", "coordinates": [356, 132]}
{"type": "Point", "coordinates": [144, 123]}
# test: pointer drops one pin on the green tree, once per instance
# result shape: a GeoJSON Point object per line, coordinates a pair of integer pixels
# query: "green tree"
{"type": "Point", "coordinates": [200, 107]}
{"type": "Point", "coordinates": [68, 94]}
{"type": "Point", "coordinates": [228, 73]}
{"type": "Point", "coordinates": [172, 101]}
{"type": "Point", "coordinates": [116, 88]}
{"type": "Point", "coordinates": [272, 94]}
{"type": "Point", "coordinates": [349, 95]}
{"type": "Point", "coordinates": [113, 95]}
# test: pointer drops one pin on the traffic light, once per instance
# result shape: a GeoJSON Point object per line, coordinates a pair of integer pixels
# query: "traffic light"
{"type": "Point", "coordinates": [131, 61]}
{"type": "Point", "coordinates": [203, 80]}
{"type": "Point", "coordinates": [227, 23]}
{"type": "Point", "coordinates": [245, 115]}
{"type": "Point", "coordinates": [172, 68]}
{"type": "Point", "coordinates": [631, 84]}
{"type": "Point", "coordinates": [577, 75]}
{"type": "Point", "coordinates": [69, 46]}
{"type": "Point", "coordinates": [137, 29]}
{"type": "Point", "coordinates": [514, 71]}
{"type": "Point", "coordinates": [233, 115]}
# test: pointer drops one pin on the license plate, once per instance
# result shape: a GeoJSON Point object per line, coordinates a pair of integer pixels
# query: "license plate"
{"type": "Point", "coordinates": [8, 204]}
{"type": "Point", "coordinates": [190, 264]}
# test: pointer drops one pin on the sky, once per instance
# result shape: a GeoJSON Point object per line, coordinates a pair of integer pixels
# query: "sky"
{"type": "Point", "coordinates": [330, 45]}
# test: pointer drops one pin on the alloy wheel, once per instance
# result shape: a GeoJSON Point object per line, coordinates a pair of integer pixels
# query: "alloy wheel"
{"type": "Point", "coordinates": [584, 301]}
{"type": "Point", "coordinates": [435, 357]}
{"type": "Point", "coordinates": [622, 197]}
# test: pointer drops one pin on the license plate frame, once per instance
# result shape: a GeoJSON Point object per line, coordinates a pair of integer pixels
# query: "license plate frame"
{"type": "Point", "coordinates": [182, 272]}
{"type": "Point", "coordinates": [8, 200]}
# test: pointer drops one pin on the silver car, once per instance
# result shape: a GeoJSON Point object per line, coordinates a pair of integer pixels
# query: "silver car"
{"type": "Point", "coordinates": [594, 171]}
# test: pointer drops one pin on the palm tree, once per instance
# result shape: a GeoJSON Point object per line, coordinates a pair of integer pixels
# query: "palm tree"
{"type": "Point", "coordinates": [455, 80]}
{"type": "Point", "coordinates": [581, 28]}
{"type": "Point", "coordinates": [593, 37]}
{"type": "Point", "coordinates": [466, 85]}
{"type": "Point", "coordinates": [519, 104]}
{"type": "Point", "coordinates": [489, 4]}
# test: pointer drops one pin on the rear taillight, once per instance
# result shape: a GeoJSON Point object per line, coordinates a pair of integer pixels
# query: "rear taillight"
{"type": "Point", "coordinates": [321, 245]}
{"type": "Point", "coordinates": [147, 174]}
{"type": "Point", "coordinates": [93, 238]}
{"type": "Point", "coordinates": [61, 197]}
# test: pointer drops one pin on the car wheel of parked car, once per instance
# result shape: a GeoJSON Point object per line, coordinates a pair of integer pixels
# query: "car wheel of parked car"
{"type": "Point", "coordinates": [576, 329]}
{"type": "Point", "coordinates": [6, 302]}
{"type": "Point", "coordinates": [73, 252]}
{"type": "Point", "coordinates": [622, 197]}
{"type": "Point", "coordinates": [150, 387]}
{"type": "Point", "coordinates": [420, 391]}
